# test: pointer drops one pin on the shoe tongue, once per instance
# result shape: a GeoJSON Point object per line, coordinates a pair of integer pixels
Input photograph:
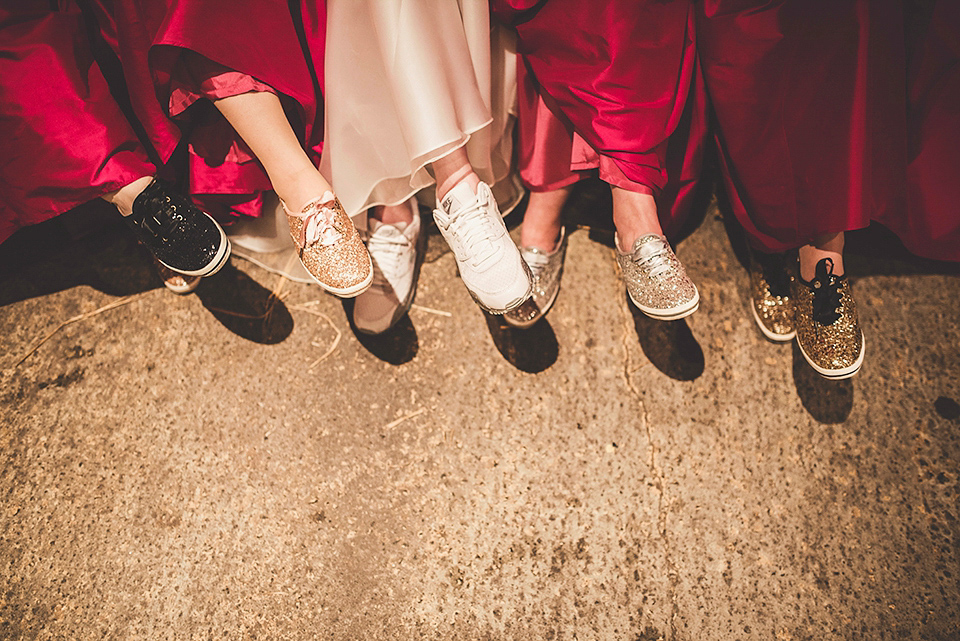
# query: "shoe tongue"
{"type": "Point", "coordinates": [381, 228]}
{"type": "Point", "coordinates": [646, 245]}
{"type": "Point", "coordinates": [459, 197]}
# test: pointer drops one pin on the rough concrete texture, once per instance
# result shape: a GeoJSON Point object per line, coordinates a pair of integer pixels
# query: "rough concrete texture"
{"type": "Point", "coordinates": [193, 468]}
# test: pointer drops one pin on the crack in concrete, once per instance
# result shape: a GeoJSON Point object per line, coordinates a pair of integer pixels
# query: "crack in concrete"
{"type": "Point", "coordinates": [658, 475]}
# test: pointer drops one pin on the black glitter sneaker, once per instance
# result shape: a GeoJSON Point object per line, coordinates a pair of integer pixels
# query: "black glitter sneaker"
{"type": "Point", "coordinates": [181, 236]}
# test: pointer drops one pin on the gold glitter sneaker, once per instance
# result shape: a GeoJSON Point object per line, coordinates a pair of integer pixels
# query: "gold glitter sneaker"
{"type": "Point", "coordinates": [770, 300]}
{"type": "Point", "coordinates": [330, 247]}
{"type": "Point", "coordinates": [828, 331]}
{"type": "Point", "coordinates": [546, 269]}
{"type": "Point", "coordinates": [656, 281]}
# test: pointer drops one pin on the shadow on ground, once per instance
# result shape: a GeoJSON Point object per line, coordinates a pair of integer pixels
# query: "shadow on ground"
{"type": "Point", "coordinates": [87, 246]}
{"type": "Point", "coordinates": [530, 350]}
{"type": "Point", "coordinates": [669, 345]}
{"type": "Point", "coordinates": [245, 307]}
{"type": "Point", "coordinates": [397, 345]}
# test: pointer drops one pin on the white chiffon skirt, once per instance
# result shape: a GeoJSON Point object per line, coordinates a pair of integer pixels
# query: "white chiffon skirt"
{"type": "Point", "coordinates": [407, 82]}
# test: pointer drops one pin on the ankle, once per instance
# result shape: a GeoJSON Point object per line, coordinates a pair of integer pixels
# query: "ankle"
{"type": "Point", "coordinates": [395, 214]}
{"type": "Point", "coordinates": [299, 188]}
{"type": "Point", "coordinates": [810, 256]}
{"type": "Point", "coordinates": [634, 216]}
{"type": "Point", "coordinates": [465, 174]}
{"type": "Point", "coordinates": [542, 237]}
{"type": "Point", "coordinates": [124, 197]}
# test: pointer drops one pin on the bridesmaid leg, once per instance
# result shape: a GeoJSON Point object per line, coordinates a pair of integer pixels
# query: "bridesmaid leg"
{"type": "Point", "coordinates": [542, 221]}
{"type": "Point", "coordinates": [259, 119]}
{"type": "Point", "coordinates": [330, 247]}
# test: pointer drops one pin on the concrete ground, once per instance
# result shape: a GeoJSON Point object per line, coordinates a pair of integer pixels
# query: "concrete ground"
{"type": "Point", "coordinates": [229, 465]}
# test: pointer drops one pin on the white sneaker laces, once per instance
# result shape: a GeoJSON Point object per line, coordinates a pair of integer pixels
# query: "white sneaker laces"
{"type": "Point", "coordinates": [387, 250]}
{"type": "Point", "coordinates": [654, 257]}
{"type": "Point", "coordinates": [476, 231]}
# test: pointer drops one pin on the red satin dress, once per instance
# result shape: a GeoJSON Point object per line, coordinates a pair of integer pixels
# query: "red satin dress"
{"type": "Point", "coordinates": [175, 53]}
{"type": "Point", "coordinates": [932, 225]}
{"type": "Point", "coordinates": [618, 93]}
{"type": "Point", "coordinates": [64, 139]}
{"type": "Point", "coordinates": [810, 112]}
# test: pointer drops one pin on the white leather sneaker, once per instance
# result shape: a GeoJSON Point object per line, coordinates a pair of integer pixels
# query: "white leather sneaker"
{"type": "Point", "coordinates": [397, 251]}
{"type": "Point", "coordinates": [490, 264]}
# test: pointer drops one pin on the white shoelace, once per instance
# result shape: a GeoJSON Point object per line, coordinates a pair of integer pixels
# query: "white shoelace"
{"type": "Point", "coordinates": [655, 259]}
{"type": "Point", "coordinates": [475, 231]}
{"type": "Point", "coordinates": [388, 251]}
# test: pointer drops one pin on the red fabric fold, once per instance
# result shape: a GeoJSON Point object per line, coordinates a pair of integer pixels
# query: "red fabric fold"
{"type": "Point", "coordinates": [65, 139]}
{"type": "Point", "coordinates": [809, 103]}
{"type": "Point", "coordinates": [168, 49]}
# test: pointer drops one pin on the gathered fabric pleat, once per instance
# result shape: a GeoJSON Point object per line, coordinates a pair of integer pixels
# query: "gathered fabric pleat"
{"type": "Point", "coordinates": [810, 113]}
{"type": "Point", "coordinates": [65, 140]}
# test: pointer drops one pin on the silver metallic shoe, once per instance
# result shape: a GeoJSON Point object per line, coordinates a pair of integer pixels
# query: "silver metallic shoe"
{"type": "Point", "coordinates": [546, 269]}
{"type": "Point", "coordinates": [656, 281]}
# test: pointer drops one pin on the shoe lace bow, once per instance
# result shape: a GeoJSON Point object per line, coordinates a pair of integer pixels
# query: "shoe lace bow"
{"type": "Point", "coordinates": [826, 293]}
{"type": "Point", "coordinates": [654, 257]}
{"type": "Point", "coordinates": [319, 225]}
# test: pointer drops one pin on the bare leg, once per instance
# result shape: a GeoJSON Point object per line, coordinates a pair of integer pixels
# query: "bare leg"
{"type": "Point", "coordinates": [453, 169]}
{"type": "Point", "coordinates": [826, 246]}
{"type": "Point", "coordinates": [123, 198]}
{"type": "Point", "coordinates": [542, 220]}
{"type": "Point", "coordinates": [394, 214]}
{"type": "Point", "coordinates": [259, 119]}
{"type": "Point", "coordinates": [634, 215]}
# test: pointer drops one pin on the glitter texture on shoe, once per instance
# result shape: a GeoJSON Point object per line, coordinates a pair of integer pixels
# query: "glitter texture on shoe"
{"type": "Point", "coordinates": [546, 269]}
{"type": "Point", "coordinates": [770, 301]}
{"type": "Point", "coordinates": [828, 331]}
{"type": "Point", "coordinates": [656, 281]}
{"type": "Point", "coordinates": [330, 247]}
{"type": "Point", "coordinates": [184, 238]}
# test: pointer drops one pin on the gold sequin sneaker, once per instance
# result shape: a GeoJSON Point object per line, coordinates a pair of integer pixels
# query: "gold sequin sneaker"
{"type": "Point", "coordinates": [828, 331]}
{"type": "Point", "coordinates": [330, 247]}
{"type": "Point", "coordinates": [546, 268]}
{"type": "Point", "coordinates": [656, 281]}
{"type": "Point", "coordinates": [770, 301]}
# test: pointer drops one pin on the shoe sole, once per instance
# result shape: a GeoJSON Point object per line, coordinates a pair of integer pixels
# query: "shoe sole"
{"type": "Point", "coordinates": [182, 291]}
{"type": "Point", "coordinates": [776, 338]}
{"type": "Point", "coordinates": [674, 313]}
{"type": "Point", "coordinates": [215, 265]}
{"type": "Point", "coordinates": [512, 305]}
{"type": "Point", "coordinates": [543, 312]}
{"type": "Point", "coordinates": [837, 374]}
{"type": "Point", "coordinates": [403, 309]}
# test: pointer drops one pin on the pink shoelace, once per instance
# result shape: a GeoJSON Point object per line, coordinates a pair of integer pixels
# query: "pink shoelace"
{"type": "Point", "coordinates": [319, 222]}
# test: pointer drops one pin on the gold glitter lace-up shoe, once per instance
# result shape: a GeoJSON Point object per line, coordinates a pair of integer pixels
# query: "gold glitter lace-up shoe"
{"type": "Point", "coordinates": [330, 247]}
{"type": "Point", "coordinates": [828, 331]}
{"type": "Point", "coordinates": [546, 269]}
{"type": "Point", "coordinates": [656, 281]}
{"type": "Point", "coordinates": [770, 301]}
